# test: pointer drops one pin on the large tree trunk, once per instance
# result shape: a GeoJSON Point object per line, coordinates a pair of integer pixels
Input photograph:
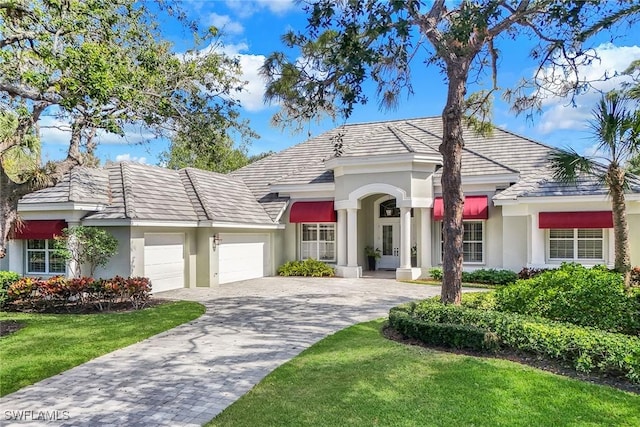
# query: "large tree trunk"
{"type": "Point", "coordinates": [620, 225]}
{"type": "Point", "coordinates": [11, 192]}
{"type": "Point", "coordinates": [451, 150]}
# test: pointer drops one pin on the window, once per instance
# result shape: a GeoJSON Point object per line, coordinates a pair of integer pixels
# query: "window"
{"type": "Point", "coordinates": [318, 241]}
{"type": "Point", "coordinates": [472, 242]}
{"type": "Point", "coordinates": [576, 244]}
{"type": "Point", "coordinates": [42, 258]}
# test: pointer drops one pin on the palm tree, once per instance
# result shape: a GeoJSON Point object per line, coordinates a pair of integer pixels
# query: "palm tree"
{"type": "Point", "coordinates": [617, 131]}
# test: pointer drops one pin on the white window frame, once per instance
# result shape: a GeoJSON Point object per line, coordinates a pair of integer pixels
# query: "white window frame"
{"type": "Point", "coordinates": [484, 241]}
{"type": "Point", "coordinates": [318, 241]}
{"type": "Point", "coordinates": [48, 250]}
{"type": "Point", "coordinates": [575, 241]}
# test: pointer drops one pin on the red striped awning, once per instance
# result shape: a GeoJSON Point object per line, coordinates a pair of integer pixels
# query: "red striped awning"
{"type": "Point", "coordinates": [475, 207]}
{"type": "Point", "coordinates": [591, 219]}
{"type": "Point", "coordinates": [40, 229]}
{"type": "Point", "coordinates": [312, 212]}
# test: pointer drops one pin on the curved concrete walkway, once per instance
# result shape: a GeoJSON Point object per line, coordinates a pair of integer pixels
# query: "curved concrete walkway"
{"type": "Point", "coordinates": [186, 376]}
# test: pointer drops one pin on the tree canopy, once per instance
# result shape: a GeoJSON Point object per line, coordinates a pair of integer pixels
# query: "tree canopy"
{"type": "Point", "coordinates": [103, 66]}
{"type": "Point", "coordinates": [347, 43]}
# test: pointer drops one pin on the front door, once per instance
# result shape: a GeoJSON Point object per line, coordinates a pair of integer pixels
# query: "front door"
{"type": "Point", "coordinates": [388, 240]}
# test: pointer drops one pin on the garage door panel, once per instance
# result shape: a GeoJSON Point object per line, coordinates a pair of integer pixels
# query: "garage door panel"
{"type": "Point", "coordinates": [164, 260]}
{"type": "Point", "coordinates": [243, 257]}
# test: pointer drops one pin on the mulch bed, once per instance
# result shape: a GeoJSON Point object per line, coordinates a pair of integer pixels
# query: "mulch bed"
{"type": "Point", "coordinates": [88, 309]}
{"type": "Point", "coordinates": [524, 358]}
{"type": "Point", "coordinates": [10, 326]}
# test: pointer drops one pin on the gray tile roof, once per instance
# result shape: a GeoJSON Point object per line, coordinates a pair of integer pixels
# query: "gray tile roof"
{"type": "Point", "coordinates": [225, 198]}
{"type": "Point", "coordinates": [143, 192]}
{"type": "Point", "coordinates": [500, 153]}
{"type": "Point", "coordinates": [542, 184]}
{"type": "Point", "coordinates": [82, 184]}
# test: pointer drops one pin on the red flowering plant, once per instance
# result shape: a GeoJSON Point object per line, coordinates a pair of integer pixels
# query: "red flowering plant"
{"type": "Point", "coordinates": [138, 290]}
{"type": "Point", "coordinates": [22, 291]}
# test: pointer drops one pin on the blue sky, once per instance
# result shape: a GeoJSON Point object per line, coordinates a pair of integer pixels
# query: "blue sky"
{"type": "Point", "coordinates": [252, 30]}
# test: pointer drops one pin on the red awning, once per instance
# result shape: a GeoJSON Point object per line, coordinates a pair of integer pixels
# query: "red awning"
{"type": "Point", "coordinates": [475, 207]}
{"type": "Point", "coordinates": [312, 212]}
{"type": "Point", "coordinates": [592, 219]}
{"type": "Point", "coordinates": [40, 229]}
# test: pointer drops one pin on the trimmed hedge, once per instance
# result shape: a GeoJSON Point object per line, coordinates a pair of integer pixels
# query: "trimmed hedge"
{"type": "Point", "coordinates": [575, 294]}
{"type": "Point", "coordinates": [450, 335]}
{"type": "Point", "coordinates": [489, 276]}
{"type": "Point", "coordinates": [308, 267]}
{"type": "Point", "coordinates": [586, 349]}
{"type": "Point", "coordinates": [77, 294]}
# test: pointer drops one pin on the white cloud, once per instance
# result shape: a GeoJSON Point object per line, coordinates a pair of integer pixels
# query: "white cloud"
{"type": "Point", "coordinates": [57, 130]}
{"type": "Point", "coordinates": [252, 96]}
{"type": "Point", "coordinates": [604, 73]}
{"type": "Point", "coordinates": [126, 157]}
{"type": "Point", "coordinates": [225, 24]}
{"type": "Point", "coordinates": [245, 8]}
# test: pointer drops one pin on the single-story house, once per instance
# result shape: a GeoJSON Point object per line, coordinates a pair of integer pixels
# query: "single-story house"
{"type": "Point", "coordinates": [369, 184]}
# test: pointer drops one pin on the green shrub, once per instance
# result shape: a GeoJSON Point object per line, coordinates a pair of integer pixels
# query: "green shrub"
{"type": "Point", "coordinates": [7, 278]}
{"type": "Point", "coordinates": [490, 276]}
{"type": "Point", "coordinates": [308, 267]}
{"type": "Point", "coordinates": [586, 349]}
{"type": "Point", "coordinates": [435, 273]}
{"type": "Point", "coordinates": [444, 334]}
{"type": "Point", "coordinates": [587, 297]}
{"type": "Point", "coordinates": [479, 300]}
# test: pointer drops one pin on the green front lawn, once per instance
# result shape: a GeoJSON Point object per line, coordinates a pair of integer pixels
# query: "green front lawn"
{"type": "Point", "coordinates": [52, 343]}
{"type": "Point", "coordinates": [357, 377]}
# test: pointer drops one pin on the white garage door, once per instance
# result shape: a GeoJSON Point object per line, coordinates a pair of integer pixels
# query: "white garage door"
{"type": "Point", "coordinates": [243, 256]}
{"type": "Point", "coordinates": [164, 260]}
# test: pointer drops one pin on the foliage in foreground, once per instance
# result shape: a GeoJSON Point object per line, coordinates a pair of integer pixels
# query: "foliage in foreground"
{"type": "Point", "coordinates": [308, 267]}
{"type": "Point", "coordinates": [6, 279]}
{"type": "Point", "coordinates": [489, 276]}
{"type": "Point", "coordinates": [357, 377]}
{"type": "Point", "coordinates": [92, 246]}
{"type": "Point", "coordinates": [584, 296]}
{"type": "Point", "coordinates": [52, 343]}
{"type": "Point", "coordinates": [585, 349]}
{"type": "Point", "coordinates": [78, 294]}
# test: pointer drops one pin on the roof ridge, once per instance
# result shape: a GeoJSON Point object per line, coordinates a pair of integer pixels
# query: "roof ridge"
{"type": "Point", "coordinates": [489, 159]}
{"type": "Point", "coordinates": [407, 146]}
{"type": "Point", "coordinates": [392, 120]}
{"type": "Point", "coordinates": [424, 130]}
{"type": "Point", "coordinates": [127, 192]}
{"type": "Point", "coordinates": [70, 192]}
{"type": "Point", "coordinates": [196, 190]}
{"type": "Point", "coordinates": [419, 141]}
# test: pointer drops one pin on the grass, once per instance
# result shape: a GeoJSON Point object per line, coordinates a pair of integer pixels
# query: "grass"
{"type": "Point", "coordinates": [52, 343]}
{"type": "Point", "coordinates": [357, 377]}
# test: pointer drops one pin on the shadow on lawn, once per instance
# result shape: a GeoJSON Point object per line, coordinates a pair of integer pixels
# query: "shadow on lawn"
{"type": "Point", "coordinates": [190, 373]}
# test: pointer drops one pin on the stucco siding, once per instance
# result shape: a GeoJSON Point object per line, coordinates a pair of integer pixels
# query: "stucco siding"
{"type": "Point", "coordinates": [634, 241]}
{"type": "Point", "coordinates": [514, 242]}
{"type": "Point", "coordinates": [120, 263]}
{"type": "Point", "coordinates": [493, 256]}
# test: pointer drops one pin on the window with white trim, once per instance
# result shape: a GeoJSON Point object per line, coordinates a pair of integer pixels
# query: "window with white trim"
{"type": "Point", "coordinates": [42, 258]}
{"type": "Point", "coordinates": [575, 244]}
{"type": "Point", "coordinates": [472, 242]}
{"type": "Point", "coordinates": [318, 241]}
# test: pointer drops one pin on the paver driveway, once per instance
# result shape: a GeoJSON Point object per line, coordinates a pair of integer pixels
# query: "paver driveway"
{"type": "Point", "coordinates": [185, 376]}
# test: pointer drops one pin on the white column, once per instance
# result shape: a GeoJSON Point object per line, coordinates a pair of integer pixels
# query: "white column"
{"type": "Point", "coordinates": [352, 237]}
{"type": "Point", "coordinates": [424, 240]}
{"type": "Point", "coordinates": [405, 237]}
{"type": "Point", "coordinates": [342, 237]}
